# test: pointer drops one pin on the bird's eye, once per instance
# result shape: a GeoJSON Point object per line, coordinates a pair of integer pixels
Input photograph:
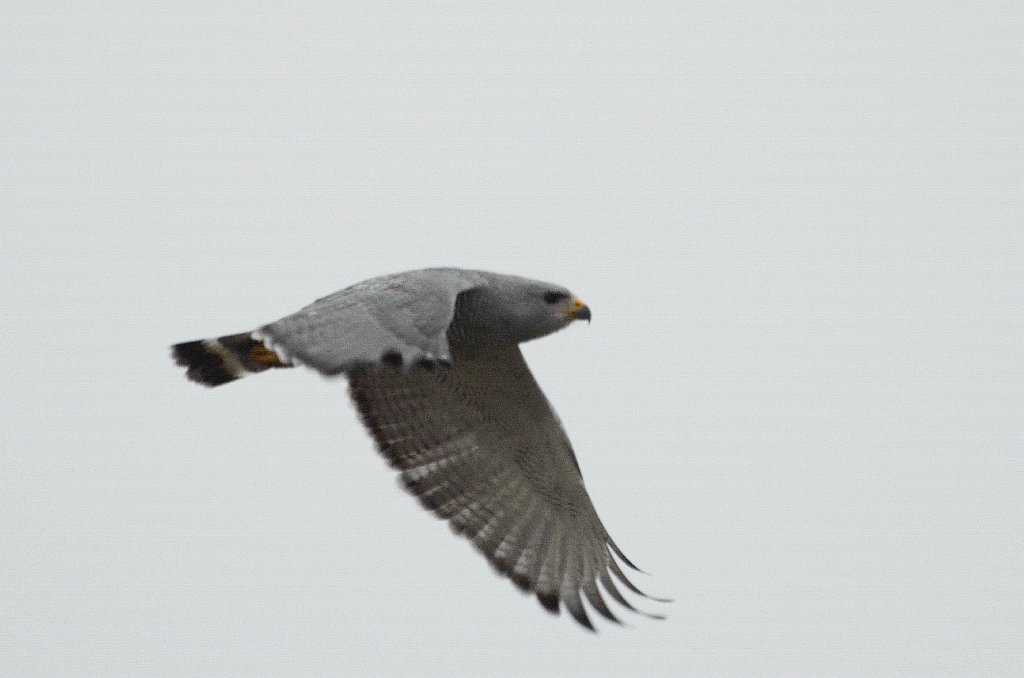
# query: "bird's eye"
{"type": "Point", "coordinates": [553, 297]}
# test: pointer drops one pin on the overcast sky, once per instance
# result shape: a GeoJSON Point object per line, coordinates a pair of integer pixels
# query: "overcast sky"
{"type": "Point", "coordinates": [800, 404]}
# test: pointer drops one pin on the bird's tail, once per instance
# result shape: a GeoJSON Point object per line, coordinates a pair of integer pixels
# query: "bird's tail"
{"type": "Point", "coordinates": [213, 362]}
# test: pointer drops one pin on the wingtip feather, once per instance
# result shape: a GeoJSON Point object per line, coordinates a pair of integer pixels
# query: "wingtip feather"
{"type": "Point", "coordinates": [617, 571]}
{"type": "Point", "coordinates": [549, 601]}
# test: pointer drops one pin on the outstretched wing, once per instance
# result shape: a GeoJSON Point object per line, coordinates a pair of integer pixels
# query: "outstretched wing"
{"type": "Point", "coordinates": [401, 318]}
{"type": "Point", "coordinates": [480, 446]}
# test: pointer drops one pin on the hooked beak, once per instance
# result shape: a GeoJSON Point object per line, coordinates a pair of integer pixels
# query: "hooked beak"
{"type": "Point", "coordinates": [580, 311]}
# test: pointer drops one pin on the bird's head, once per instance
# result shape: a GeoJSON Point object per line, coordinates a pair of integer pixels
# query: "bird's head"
{"type": "Point", "coordinates": [524, 309]}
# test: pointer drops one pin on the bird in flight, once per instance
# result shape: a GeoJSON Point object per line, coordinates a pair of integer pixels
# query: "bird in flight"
{"type": "Point", "coordinates": [434, 368]}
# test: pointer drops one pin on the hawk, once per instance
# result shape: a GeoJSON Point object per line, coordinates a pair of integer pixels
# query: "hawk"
{"type": "Point", "coordinates": [434, 368]}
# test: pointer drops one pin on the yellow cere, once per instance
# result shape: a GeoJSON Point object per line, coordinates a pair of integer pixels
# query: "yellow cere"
{"type": "Point", "coordinates": [576, 304]}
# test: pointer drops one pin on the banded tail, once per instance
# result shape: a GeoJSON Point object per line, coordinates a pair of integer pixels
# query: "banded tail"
{"type": "Point", "coordinates": [213, 362]}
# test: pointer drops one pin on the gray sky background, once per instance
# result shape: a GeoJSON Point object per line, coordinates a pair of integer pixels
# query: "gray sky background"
{"type": "Point", "coordinates": [799, 405]}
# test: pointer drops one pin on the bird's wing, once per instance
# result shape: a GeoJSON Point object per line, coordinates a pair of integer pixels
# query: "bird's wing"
{"type": "Point", "coordinates": [480, 446]}
{"type": "Point", "coordinates": [401, 318]}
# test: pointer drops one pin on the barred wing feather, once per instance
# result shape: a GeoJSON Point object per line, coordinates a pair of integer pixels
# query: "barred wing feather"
{"type": "Point", "coordinates": [479, 445]}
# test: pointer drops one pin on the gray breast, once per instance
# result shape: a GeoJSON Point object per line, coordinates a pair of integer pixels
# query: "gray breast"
{"type": "Point", "coordinates": [479, 323]}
